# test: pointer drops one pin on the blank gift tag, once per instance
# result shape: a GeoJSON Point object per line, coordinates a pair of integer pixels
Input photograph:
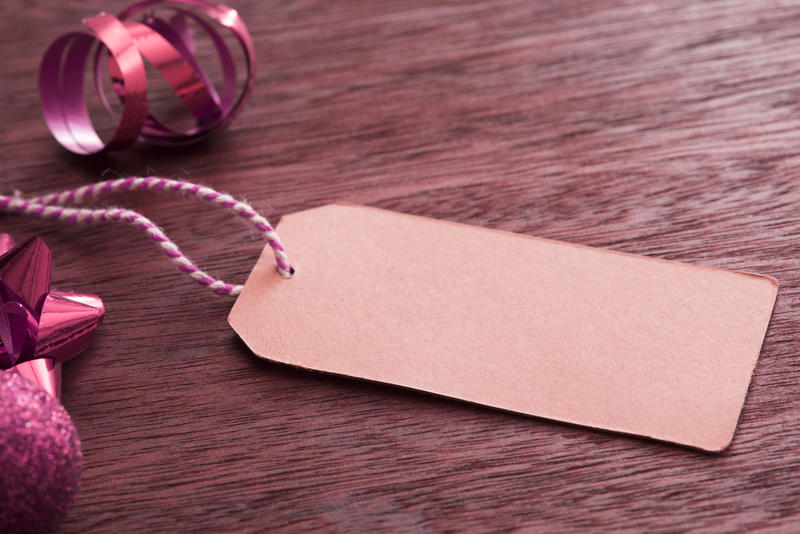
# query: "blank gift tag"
{"type": "Point", "coordinates": [567, 332]}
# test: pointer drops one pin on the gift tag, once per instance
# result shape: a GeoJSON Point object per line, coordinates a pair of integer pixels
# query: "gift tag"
{"type": "Point", "coordinates": [588, 336]}
{"type": "Point", "coordinates": [567, 332]}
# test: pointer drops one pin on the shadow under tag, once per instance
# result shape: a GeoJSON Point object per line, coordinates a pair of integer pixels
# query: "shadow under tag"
{"type": "Point", "coordinates": [593, 337]}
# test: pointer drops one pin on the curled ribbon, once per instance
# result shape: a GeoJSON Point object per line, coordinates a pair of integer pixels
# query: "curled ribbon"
{"type": "Point", "coordinates": [169, 46]}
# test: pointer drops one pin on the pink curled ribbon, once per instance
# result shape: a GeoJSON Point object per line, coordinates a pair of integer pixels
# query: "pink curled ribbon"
{"type": "Point", "coordinates": [125, 43]}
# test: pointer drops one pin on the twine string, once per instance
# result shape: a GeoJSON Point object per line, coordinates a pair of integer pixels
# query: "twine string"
{"type": "Point", "coordinates": [54, 206]}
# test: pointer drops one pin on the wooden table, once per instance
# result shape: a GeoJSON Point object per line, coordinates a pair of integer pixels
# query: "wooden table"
{"type": "Point", "coordinates": [668, 129]}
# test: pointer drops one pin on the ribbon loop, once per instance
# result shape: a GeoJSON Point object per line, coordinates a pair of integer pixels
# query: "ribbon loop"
{"type": "Point", "coordinates": [169, 46]}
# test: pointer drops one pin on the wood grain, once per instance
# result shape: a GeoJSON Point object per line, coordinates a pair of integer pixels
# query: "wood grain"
{"type": "Point", "coordinates": [661, 128]}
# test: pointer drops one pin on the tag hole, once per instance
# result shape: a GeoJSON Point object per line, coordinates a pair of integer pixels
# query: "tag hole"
{"type": "Point", "coordinates": [291, 271]}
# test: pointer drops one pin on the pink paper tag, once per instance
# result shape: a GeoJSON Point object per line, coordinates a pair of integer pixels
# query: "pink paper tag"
{"type": "Point", "coordinates": [593, 337]}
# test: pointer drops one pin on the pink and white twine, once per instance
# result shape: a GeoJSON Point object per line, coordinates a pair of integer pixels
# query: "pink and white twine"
{"type": "Point", "coordinates": [53, 206]}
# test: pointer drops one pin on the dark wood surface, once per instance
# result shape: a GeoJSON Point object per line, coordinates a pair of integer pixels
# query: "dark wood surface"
{"type": "Point", "coordinates": [661, 128]}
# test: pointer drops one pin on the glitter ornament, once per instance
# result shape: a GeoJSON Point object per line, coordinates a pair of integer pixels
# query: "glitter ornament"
{"type": "Point", "coordinates": [40, 457]}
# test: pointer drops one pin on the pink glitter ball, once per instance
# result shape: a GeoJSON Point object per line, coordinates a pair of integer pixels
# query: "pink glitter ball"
{"type": "Point", "coordinates": [40, 457]}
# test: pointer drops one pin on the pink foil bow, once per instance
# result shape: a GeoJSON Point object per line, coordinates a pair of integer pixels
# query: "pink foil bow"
{"type": "Point", "coordinates": [40, 328]}
{"type": "Point", "coordinates": [169, 46]}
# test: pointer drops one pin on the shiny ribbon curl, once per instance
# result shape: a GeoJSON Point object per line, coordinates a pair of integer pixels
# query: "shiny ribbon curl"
{"type": "Point", "coordinates": [169, 47]}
